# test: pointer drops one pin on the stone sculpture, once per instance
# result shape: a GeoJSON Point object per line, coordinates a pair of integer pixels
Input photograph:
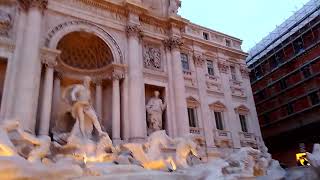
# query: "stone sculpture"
{"type": "Point", "coordinates": [174, 6]}
{"type": "Point", "coordinates": [155, 108]}
{"type": "Point", "coordinates": [81, 137]}
{"type": "Point", "coordinates": [87, 155]}
{"type": "Point", "coordinates": [6, 146]}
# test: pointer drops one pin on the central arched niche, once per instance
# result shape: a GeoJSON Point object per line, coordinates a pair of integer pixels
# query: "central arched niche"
{"type": "Point", "coordinates": [83, 50]}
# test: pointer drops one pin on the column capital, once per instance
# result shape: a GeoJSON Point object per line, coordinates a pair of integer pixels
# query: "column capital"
{"type": "Point", "coordinates": [98, 81]}
{"type": "Point", "coordinates": [134, 30]}
{"type": "Point", "coordinates": [49, 57]}
{"type": "Point", "coordinates": [27, 4]}
{"type": "Point", "coordinates": [223, 67]}
{"type": "Point", "coordinates": [244, 71]}
{"type": "Point", "coordinates": [117, 75]}
{"type": "Point", "coordinates": [198, 60]}
{"type": "Point", "coordinates": [173, 42]}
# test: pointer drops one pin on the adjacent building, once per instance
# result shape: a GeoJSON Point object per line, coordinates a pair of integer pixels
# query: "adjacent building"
{"type": "Point", "coordinates": [129, 49]}
{"type": "Point", "coordinates": [285, 80]}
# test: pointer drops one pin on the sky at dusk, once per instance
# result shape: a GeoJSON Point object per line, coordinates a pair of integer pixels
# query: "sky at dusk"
{"type": "Point", "coordinates": [249, 20]}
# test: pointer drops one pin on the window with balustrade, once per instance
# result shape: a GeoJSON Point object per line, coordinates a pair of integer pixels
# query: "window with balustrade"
{"type": "Point", "coordinates": [243, 122]}
{"type": "Point", "coordinates": [185, 62]}
{"type": "Point", "coordinates": [243, 114]}
{"type": "Point", "coordinates": [233, 73]}
{"type": "Point", "coordinates": [210, 67]}
{"type": "Point", "coordinates": [192, 115]}
{"type": "Point", "coordinates": [193, 105]}
{"type": "Point", "coordinates": [218, 119]}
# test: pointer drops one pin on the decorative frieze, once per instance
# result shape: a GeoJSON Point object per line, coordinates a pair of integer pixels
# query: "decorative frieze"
{"type": "Point", "coordinates": [198, 60]}
{"type": "Point", "coordinates": [27, 4]}
{"type": "Point", "coordinates": [152, 57]}
{"type": "Point", "coordinates": [5, 23]}
{"type": "Point", "coordinates": [134, 30]}
{"type": "Point", "coordinates": [223, 67]}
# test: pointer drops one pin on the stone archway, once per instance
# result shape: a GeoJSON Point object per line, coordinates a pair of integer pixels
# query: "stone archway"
{"type": "Point", "coordinates": [88, 50]}
{"type": "Point", "coordinates": [84, 51]}
{"type": "Point", "coordinates": [61, 30]}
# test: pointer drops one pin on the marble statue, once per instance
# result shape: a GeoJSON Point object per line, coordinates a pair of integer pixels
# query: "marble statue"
{"type": "Point", "coordinates": [6, 146]}
{"type": "Point", "coordinates": [134, 160]}
{"type": "Point", "coordinates": [41, 146]}
{"type": "Point", "coordinates": [155, 108]}
{"type": "Point", "coordinates": [184, 148]}
{"type": "Point", "coordinates": [174, 6]}
{"type": "Point", "coordinates": [83, 112]}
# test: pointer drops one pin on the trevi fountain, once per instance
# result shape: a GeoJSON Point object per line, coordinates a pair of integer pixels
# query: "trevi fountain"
{"type": "Point", "coordinates": [125, 89]}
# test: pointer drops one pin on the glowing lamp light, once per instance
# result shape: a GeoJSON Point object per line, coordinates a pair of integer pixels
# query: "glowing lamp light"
{"type": "Point", "coordinates": [301, 159]}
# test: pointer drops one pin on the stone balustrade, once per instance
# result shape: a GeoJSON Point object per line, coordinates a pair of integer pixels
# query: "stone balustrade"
{"type": "Point", "coordinates": [248, 139]}
{"type": "Point", "coordinates": [223, 138]}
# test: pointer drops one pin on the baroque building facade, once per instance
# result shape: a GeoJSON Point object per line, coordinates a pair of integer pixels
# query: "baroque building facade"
{"type": "Point", "coordinates": [129, 49]}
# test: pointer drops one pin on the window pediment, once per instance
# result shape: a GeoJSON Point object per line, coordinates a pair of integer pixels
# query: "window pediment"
{"type": "Point", "coordinates": [217, 106]}
{"type": "Point", "coordinates": [242, 109]}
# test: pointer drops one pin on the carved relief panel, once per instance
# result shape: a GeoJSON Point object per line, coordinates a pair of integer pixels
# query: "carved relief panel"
{"type": "Point", "coordinates": [152, 57]}
{"type": "Point", "coordinates": [6, 21]}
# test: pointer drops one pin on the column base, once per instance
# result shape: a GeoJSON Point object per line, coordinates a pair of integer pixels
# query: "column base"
{"type": "Point", "coordinates": [117, 141]}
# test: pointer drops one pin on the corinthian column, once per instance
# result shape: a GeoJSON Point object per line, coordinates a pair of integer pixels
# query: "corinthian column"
{"type": "Point", "coordinates": [7, 103]}
{"type": "Point", "coordinates": [179, 87]}
{"type": "Point", "coordinates": [116, 106]}
{"type": "Point", "coordinates": [29, 66]}
{"type": "Point", "coordinates": [49, 60]}
{"type": "Point", "coordinates": [199, 62]}
{"type": "Point", "coordinates": [136, 86]}
{"type": "Point", "coordinates": [98, 101]}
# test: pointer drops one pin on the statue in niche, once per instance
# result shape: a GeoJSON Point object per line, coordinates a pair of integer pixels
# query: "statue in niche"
{"type": "Point", "coordinates": [174, 5]}
{"type": "Point", "coordinates": [155, 108]}
{"type": "Point", "coordinates": [81, 135]}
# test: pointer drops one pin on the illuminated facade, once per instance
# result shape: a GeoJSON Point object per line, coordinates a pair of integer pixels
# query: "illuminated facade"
{"type": "Point", "coordinates": [130, 49]}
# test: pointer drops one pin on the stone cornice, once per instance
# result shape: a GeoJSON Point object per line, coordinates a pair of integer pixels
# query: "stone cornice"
{"type": "Point", "coordinates": [27, 4]}
{"type": "Point", "coordinates": [207, 44]}
{"type": "Point", "coordinates": [134, 7]}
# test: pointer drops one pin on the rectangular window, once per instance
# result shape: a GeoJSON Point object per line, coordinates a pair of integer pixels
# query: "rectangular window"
{"type": "Point", "coordinates": [184, 61]}
{"type": "Point", "coordinates": [314, 98]}
{"type": "Point", "coordinates": [243, 123]}
{"type": "Point", "coordinates": [218, 119]}
{"type": "Point", "coordinates": [306, 71]}
{"type": "Point", "coordinates": [289, 108]}
{"type": "Point", "coordinates": [274, 62]}
{"type": "Point", "coordinates": [258, 71]}
{"type": "Point", "coordinates": [228, 43]}
{"type": "Point", "coordinates": [205, 36]}
{"type": "Point", "coordinates": [298, 46]}
{"type": "Point", "coordinates": [233, 73]}
{"type": "Point", "coordinates": [210, 67]}
{"type": "Point", "coordinates": [192, 115]}
{"type": "Point", "coordinates": [283, 84]}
